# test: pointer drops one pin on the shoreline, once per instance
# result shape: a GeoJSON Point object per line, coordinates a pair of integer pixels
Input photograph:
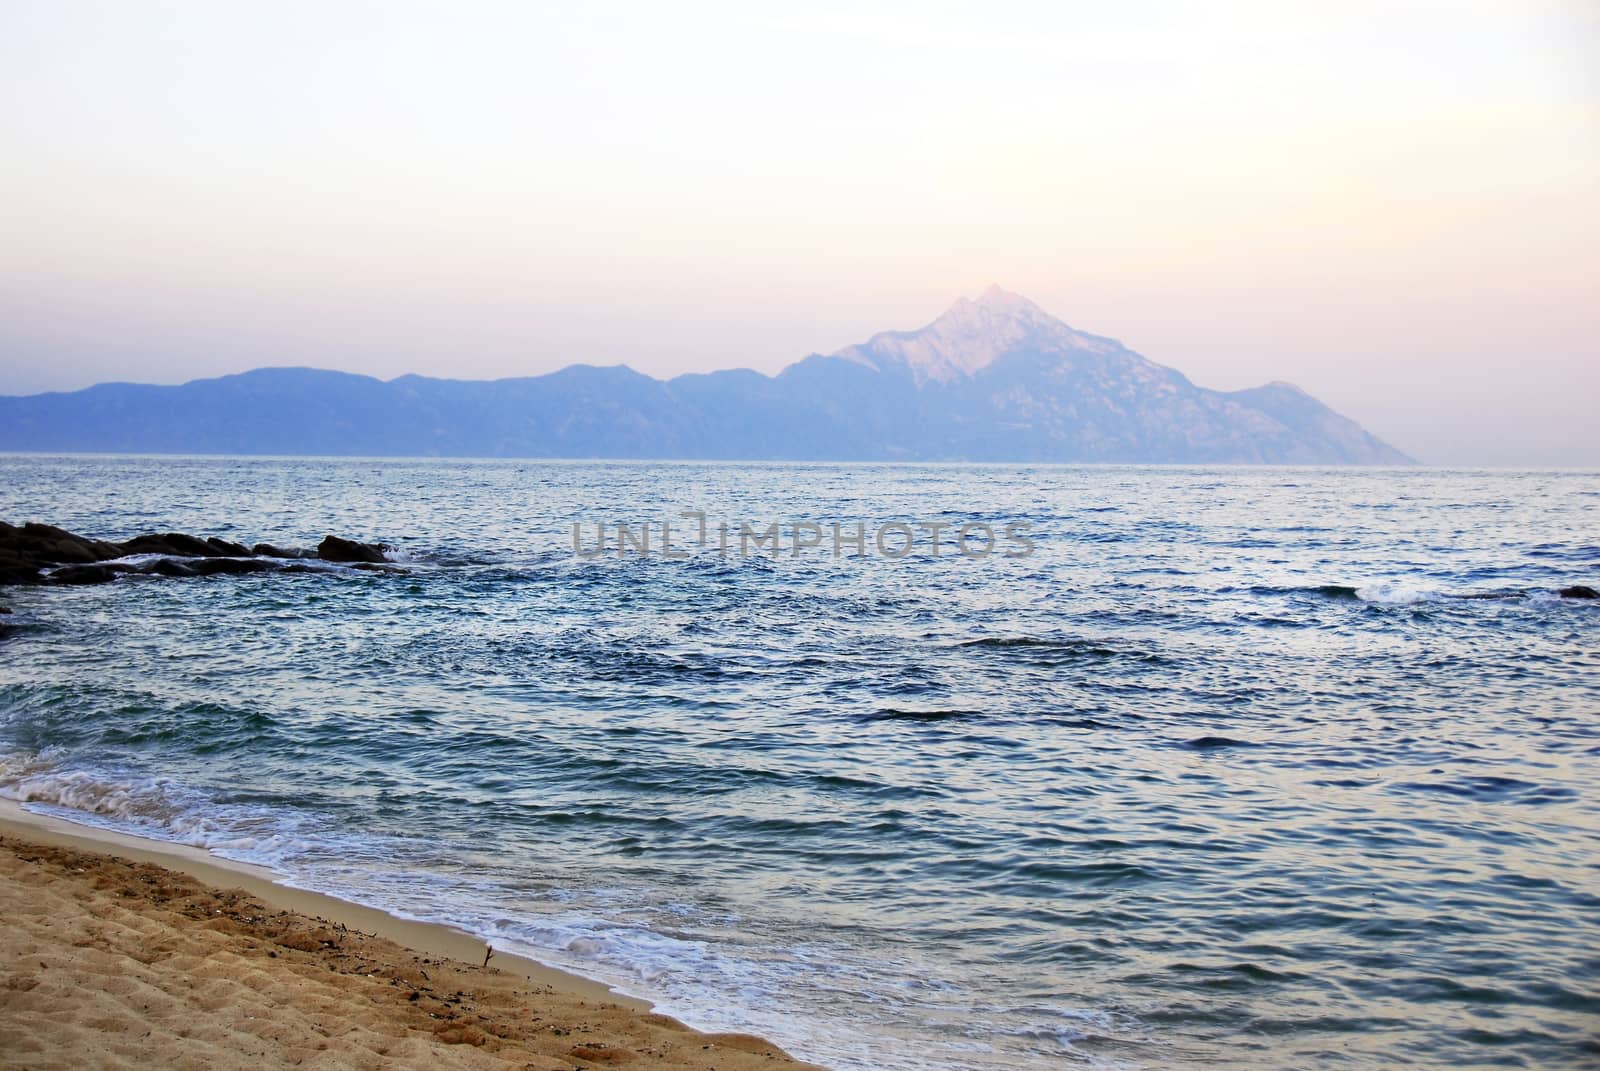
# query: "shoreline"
{"type": "Point", "coordinates": [434, 938]}
{"type": "Point", "coordinates": [121, 951]}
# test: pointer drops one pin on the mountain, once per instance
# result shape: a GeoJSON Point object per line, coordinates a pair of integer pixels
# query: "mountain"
{"type": "Point", "coordinates": [993, 379]}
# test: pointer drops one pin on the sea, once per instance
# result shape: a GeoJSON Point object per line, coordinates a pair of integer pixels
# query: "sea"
{"type": "Point", "coordinates": [935, 767]}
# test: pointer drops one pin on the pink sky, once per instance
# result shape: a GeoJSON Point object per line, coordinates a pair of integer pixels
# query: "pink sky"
{"type": "Point", "coordinates": [1394, 206]}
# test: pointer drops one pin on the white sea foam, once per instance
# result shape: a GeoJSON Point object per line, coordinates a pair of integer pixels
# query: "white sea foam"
{"type": "Point", "coordinates": [32, 780]}
{"type": "Point", "coordinates": [671, 953]}
{"type": "Point", "coordinates": [1399, 592]}
{"type": "Point", "coordinates": [154, 807]}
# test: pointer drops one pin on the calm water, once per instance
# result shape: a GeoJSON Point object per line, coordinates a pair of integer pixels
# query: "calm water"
{"type": "Point", "coordinates": [1224, 774]}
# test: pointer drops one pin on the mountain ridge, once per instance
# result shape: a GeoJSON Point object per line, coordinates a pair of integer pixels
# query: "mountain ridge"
{"type": "Point", "coordinates": [992, 379]}
{"type": "Point", "coordinates": [969, 336]}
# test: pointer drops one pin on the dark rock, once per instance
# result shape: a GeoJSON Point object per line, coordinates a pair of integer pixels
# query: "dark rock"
{"type": "Point", "coordinates": [5, 609]}
{"type": "Point", "coordinates": [171, 543]}
{"type": "Point", "coordinates": [230, 566]}
{"type": "Point", "coordinates": [86, 574]}
{"type": "Point", "coordinates": [37, 544]}
{"type": "Point", "coordinates": [1579, 591]}
{"type": "Point", "coordinates": [227, 549]}
{"type": "Point", "coordinates": [334, 549]}
{"type": "Point", "coordinates": [169, 567]}
{"type": "Point", "coordinates": [26, 551]}
{"type": "Point", "coordinates": [267, 550]}
{"type": "Point", "coordinates": [16, 571]}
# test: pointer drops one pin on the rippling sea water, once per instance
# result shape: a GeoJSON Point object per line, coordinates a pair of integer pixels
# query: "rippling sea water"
{"type": "Point", "coordinates": [1228, 772]}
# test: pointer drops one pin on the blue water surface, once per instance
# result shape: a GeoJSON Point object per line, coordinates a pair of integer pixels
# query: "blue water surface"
{"type": "Point", "coordinates": [1240, 767]}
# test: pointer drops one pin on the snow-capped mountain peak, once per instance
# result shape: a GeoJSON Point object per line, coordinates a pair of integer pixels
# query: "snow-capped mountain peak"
{"type": "Point", "coordinates": [970, 336]}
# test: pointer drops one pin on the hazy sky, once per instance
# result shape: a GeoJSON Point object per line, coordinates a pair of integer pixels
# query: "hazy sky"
{"type": "Point", "coordinates": [1395, 205]}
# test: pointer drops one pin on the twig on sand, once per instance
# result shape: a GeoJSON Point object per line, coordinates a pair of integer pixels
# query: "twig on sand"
{"type": "Point", "coordinates": [488, 954]}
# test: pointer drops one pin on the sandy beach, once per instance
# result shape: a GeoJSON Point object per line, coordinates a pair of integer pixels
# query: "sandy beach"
{"type": "Point", "coordinates": [117, 952]}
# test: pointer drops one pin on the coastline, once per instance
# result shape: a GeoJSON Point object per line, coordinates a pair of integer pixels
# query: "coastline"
{"type": "Point", "coordinates": [433, 938]}
{"type": "Point", "coordinates": [69, 919]}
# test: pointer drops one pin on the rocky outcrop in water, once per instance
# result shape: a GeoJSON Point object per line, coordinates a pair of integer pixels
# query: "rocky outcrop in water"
{"type": "Point", "coordinates": [43, 554]}
{"type": "Point", "coordinates": [334, 549]}
{"type": "Point", "coordinates": [267, 550]}
{"type": "Point", "coordinates": [1579, 591]}
{"type": "Point", "coordinates": [23, 551]}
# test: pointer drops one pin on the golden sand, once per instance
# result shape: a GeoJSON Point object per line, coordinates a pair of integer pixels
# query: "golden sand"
{"type": "Point", "coordinates": [114, 961]}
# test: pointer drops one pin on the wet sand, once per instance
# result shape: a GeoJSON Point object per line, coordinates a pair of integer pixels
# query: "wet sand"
{"type": "Point", "coordinates": [118, 952]}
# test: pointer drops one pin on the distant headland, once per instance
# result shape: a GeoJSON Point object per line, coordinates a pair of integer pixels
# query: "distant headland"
{"type": "Point", "coordinates": [993, 379]}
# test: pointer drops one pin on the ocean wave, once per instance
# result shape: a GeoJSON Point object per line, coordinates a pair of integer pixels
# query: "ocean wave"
{"type": "Point", "coordinates": [12, 622]}
{"type": "Point", "coordinates": [1068, 647]}
{"type": "Point", "coordinates": [155, 807]}
{"type": "Point", "coordinates": [29, 779]}
{"type": "Point", "coordinates": [1399, 593]}
{"type": "Point", "coordinates": [897, 714]}
{"type": "Point", "coordinates": [1403, 591]}
{"type": "Point", "coordinates": [1214, 743]}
